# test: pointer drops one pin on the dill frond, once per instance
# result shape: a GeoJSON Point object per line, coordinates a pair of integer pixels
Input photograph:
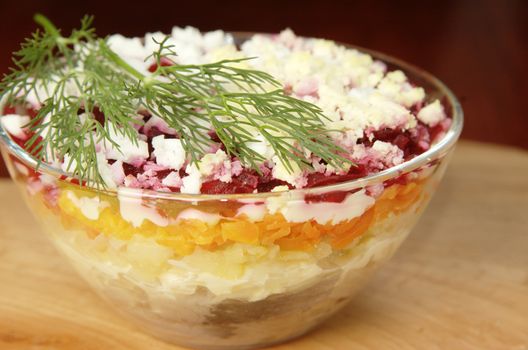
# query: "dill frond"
{"type": "Point", "coordinates": [237, 102]}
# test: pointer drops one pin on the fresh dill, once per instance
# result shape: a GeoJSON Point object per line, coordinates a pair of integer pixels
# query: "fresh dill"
{"type": "Point", "coordinates": [80, 74]}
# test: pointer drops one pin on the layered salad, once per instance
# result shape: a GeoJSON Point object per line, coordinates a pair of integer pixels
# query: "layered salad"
{"type": "Point", "coordinates": [235, 225]}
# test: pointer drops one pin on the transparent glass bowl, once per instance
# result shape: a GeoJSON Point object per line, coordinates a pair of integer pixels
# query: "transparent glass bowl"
{"type": "Point", "coordinates": [235, 271]}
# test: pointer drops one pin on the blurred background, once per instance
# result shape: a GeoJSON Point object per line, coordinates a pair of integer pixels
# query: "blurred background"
{"type": "Point", "coordinates": [478, 48]}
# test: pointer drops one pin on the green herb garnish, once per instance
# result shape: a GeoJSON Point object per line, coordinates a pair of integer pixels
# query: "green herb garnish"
{"type": "Point", "coordinates": [184, 96]}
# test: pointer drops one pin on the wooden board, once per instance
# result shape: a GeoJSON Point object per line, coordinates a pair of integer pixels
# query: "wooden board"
{"type": "Point", "coordinates": [459, 282]}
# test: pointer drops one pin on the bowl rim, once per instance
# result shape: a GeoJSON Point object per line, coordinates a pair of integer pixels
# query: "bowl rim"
{"type": "Point", "coordinates": [437, 150]}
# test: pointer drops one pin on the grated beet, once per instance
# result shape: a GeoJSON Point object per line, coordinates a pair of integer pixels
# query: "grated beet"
{"type": "Point", "coordinates": [161, 174]}
{"type": "Point", "coordinates": [9, 110]}
{"type": "Point", "coordinates": [246, 182]}
{"type": "Point", "coordinates": [131, 170]}
{"type": "Point", "coordinates": [319, 179]}
{"type": "Point", "coordinates": [266, 185]}
{"type": "Point", "coordinates": [99, 116]}
{"type": "Point", "coordinates": [412, 142]}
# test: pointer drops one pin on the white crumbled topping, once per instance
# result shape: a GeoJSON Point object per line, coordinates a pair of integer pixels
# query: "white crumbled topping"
{"type": "Point", "coordinates": [131, 50]}
{"type": "Point", "coordinates": [193, 181]}
{"type": "Point", "coordinates": [190, 45]}
{"type": "Point", "coordinates": [118, 173]}
{"type": "Point", "coordinates": [42, 92]}
{"type": "Point", "coordinates": [172, 180]}
{"type": "Point", "coordinates": [14, 124]}
{"type": "Point", "coordinates": [354, 91]}
{"type": "Point", "coordinates": [105, 171]}
{"type": "Point", "coordinates": [294, 176]}
{"type": "Point", "coordinates": [330, 169]}
{"type": "Point", "coordinates": [128, 152]}
{"type": "Point", "coordinates": [152, 41]}
{"type": "Point", "coordinates": [261, 146]}
{"type": "Point", "coordinates": [212, 161]}
{"type": "Point", "coordinates": [387, 153]}
{"type": "Point", "coordinates": [217, 166]}
{"type": "Point", "coordinates": [432, 114]}
{"type": "Point", "coordinates": [395, 86]}
{"type": "Point", "coordinates": [215, 39]}
{"type": "Point", "coordinates": [168, 152]}
{"type": "Point", "coordinates": [370, 110]}
{"type": "Point", "coordinates": [127, 47]}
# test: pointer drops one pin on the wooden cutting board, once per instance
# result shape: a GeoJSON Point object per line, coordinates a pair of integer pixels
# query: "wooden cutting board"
{"type": "Point", "coordinates": [459, 282]}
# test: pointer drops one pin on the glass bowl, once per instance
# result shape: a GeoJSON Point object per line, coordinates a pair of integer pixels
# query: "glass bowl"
{"type": "Point", "coordinates": [235, 271]}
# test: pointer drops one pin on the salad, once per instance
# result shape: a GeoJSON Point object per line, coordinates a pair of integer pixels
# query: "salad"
{"type": "Point", "coordinates": [220, 192]}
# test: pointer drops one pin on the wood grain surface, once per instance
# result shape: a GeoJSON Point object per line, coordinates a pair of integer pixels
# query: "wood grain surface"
{"type": "Point", "coordinates": [459, 282]}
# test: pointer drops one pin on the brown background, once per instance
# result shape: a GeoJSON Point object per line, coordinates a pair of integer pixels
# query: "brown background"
{"type": "Point", "coordinates": [478, 48]}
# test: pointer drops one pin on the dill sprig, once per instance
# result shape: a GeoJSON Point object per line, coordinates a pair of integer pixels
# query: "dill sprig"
{"type": "Point", "coordinates": [79, 73]}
